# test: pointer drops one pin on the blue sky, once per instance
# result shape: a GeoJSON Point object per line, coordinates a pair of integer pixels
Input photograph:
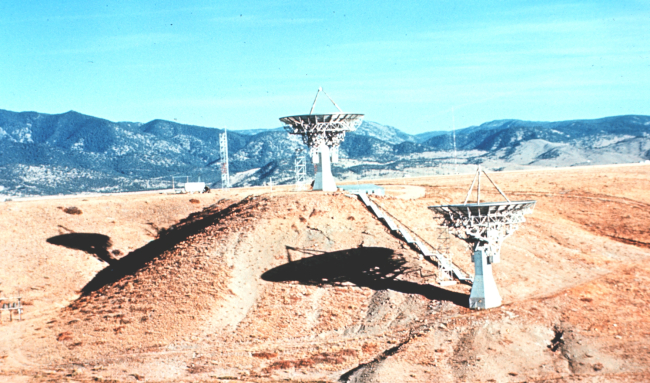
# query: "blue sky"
{"type": "Point", "coordinates": [407, 64]}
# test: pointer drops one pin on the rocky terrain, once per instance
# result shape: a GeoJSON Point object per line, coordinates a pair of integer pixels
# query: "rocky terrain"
{"type": "Point", "coordinates": [260, 286]}
{"type": "Point", "coordinates": [70, 153]}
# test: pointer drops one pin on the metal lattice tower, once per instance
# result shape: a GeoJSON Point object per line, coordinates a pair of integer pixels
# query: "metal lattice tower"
{"type": "Point", "coordinates": [484, 225]}
{"type": "Point", "coordinates": [443, 254]}
{"type": "Point", "coordinates": [453, 130]}
{"type": "Point", "coordinates": [300, 169]}
{"type": "Point", "coordinates": [323, 133]}
{"type": "Point", "coordinates": [223, 150]}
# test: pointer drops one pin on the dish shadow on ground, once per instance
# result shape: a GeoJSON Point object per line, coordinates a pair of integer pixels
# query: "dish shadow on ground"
{"type": "Point", "coordinates": [134, 261]}
{"type": "Point", "coordinates": [373, 267]}
{"type": "Point", "coordinates": [91, 243]}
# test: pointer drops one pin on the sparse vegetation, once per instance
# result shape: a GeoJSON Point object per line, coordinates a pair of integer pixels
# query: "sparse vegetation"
{"type": "Point", "coordinates": [251, 289]}
{"type": "Point", "coordinates": [72, 210]}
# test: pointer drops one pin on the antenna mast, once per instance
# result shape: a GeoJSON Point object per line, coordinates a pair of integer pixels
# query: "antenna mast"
{"type": "Point", "coordinates": [453, 133]}
{"type": "Point", "coordinates": [223, 150]}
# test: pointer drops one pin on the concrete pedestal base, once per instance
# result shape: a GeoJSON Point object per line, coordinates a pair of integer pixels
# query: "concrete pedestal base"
{"type": "Point", "coordinates": [324, 180]}
{"type": "Point", "coordinates": [485, 294]}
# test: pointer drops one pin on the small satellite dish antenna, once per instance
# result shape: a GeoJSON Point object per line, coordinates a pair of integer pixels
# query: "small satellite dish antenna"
{"type": "Point", "coordinates": [485, 225]}
{"type": "Point", "coordinates": [323, 134]}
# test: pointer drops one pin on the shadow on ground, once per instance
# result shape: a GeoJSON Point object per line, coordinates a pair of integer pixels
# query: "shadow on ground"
{"type": "Point", "coordinates": [134, 261]}
{"type": "Point", "coordinates": [91, 243]}
{"type": "Point", "coordinates": [373, 267]}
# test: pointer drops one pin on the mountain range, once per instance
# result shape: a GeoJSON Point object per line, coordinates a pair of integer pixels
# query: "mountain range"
{"type": "Point", "coordinates": [45, 154]}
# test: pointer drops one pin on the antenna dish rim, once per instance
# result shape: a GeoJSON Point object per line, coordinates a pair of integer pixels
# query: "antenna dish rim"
{"type": "Point", "coordinates": [346, 116]}
{"type": "Point", "coordinates": [483, 207]}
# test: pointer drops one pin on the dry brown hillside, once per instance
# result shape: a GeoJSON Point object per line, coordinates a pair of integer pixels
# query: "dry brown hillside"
{"type": "Point", "coordinates": [253, 285]}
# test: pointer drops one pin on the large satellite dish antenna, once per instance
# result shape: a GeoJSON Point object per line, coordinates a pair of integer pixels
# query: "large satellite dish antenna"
{"type": "Point", "coordinates": [323, 133]}
{"type": "Point", "coordinates": [485, 225]}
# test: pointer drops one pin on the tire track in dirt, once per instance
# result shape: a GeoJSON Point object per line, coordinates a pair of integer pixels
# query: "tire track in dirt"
{"type": "Point", "coordinates": [619, 218]}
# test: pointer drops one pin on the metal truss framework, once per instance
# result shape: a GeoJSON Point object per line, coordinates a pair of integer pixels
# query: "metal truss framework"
{"type": "Point", "coordinates": [223, 151]}
{"type": "Point", "coordinates": [486, 225]}
{"type": "Point", "coordinates": [322, 129]}
{"type": "Point", "coordinates": [323, 134]}
{"type": "Point", "coordinates": [444, 256]}
{"type": "Point", "coordinates": [300, 169]}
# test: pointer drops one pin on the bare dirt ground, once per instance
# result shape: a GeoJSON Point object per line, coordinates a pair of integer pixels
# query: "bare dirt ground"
{"type": "Point", "coordinates": [254, 285]}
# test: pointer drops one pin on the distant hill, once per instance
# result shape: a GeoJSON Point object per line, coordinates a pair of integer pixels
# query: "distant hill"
{"type": "Point", "coordinates": [501, 134]}
{"type": "Point", "coordinates": [252, 132]}
{"type": "Point", "coordinates": [422, 137]}
{"type": "Point", "coordinates": [385, 133]}
{"type": "Point", "coordinates": [65, 153]}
